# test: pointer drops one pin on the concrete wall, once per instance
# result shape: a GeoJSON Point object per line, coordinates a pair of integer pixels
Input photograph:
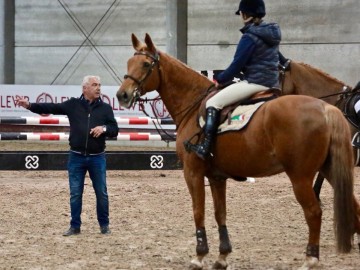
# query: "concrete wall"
{"type": "Point", "coordinates": [7, 41]}
{"type": "Point", "coordinates": [323, 33]}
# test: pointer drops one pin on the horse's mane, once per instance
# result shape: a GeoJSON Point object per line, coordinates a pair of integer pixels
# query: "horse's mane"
{"type": "Point", "coordinates": [323, 73]}
{"type": "Point", "coordinates": [144, 48]}
{"type": "Point", "coordinates": [185, 66]}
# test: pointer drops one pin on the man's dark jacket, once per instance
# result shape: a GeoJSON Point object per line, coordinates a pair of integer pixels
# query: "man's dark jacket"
{"type": "Point", "coordinates": [83, 117]}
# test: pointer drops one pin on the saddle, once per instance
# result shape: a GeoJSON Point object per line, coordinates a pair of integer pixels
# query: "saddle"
{"type": "Point", "coordinates": [225, 114]}
{"type": "Point", "coordinates": [349, 101]}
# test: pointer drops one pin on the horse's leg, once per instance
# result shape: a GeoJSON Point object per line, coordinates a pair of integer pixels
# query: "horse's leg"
{"type": "Point", "coordinates": [218, 190]}
{"type": "Point", "coordinates": [357, 220]}
{"type": "Point", "coordinates": [195, 182]}
{"type": "Point", "coordinates": [313, 213]}
{"type": "Point", "coordinates": [318, 184]}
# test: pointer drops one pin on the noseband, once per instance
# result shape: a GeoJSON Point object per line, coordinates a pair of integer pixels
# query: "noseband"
{"type": "Point", "coordinates": [140, 82]}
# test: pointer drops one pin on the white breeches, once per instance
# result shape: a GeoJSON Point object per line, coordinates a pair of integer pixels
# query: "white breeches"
{"type": "Point", "coordinates": [234, 93]}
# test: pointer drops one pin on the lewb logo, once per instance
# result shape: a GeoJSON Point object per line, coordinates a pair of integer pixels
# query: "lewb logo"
{"type": "Point", "coordinates": [44, 98]}
{"type": "Point", "coordinates": [159, 109]}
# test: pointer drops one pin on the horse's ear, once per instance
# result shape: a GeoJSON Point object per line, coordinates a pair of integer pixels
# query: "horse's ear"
{"type": "Point", "coordinates": [135, 42]}
{"type": "Point", "coordinates": [149, 43]}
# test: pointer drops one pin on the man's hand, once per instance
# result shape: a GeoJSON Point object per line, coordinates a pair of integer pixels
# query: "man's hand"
{"type": "Point", "coordinates": [22, 102]}
{"type": "Point", "coordinates": [97, 131]}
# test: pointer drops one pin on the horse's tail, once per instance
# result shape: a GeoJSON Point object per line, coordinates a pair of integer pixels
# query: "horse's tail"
{"type": "Point", "coordinates": [341, 177]}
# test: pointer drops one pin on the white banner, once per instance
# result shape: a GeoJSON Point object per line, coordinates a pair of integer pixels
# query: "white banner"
{"type": "Point", "coordinates": [61, 93]}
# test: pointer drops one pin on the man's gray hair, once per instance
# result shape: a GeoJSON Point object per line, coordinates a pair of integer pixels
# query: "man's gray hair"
{"type": "Point", "coordinates": [87, 79]}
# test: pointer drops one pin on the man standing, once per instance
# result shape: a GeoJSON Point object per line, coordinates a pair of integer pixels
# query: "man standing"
{"type": "Point", "coordinates": [91, 121]}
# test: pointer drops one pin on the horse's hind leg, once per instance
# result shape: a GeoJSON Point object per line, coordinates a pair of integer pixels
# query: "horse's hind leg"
{"type": "Point", "coordinates": [218, 190]}
{"type": "Point", "coordinates": [318, 184]}
{"type": "Point", "coordinates": [313, 213]}
{"type": "Point", "coordinates": [357, 220]}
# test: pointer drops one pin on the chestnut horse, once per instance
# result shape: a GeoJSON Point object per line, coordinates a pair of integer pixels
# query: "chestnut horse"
{"type": "Point", "coordinates": [304, 79]}
{"type": "Point", "coordinates": [311, 136]}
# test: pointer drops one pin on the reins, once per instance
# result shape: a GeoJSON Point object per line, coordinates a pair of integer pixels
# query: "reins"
{"type": "Point", "coordinates": [187, 111]}
{"type": "Point", "coordinates": [345, 90]}
{"type": "Point", "coordinates": [157, 124]}
{"type": "Point", "coordinates": [194, 104]}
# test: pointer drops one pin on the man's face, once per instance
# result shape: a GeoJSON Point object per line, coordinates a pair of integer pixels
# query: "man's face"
{"type": "Point", "coordinates": [92, 90]}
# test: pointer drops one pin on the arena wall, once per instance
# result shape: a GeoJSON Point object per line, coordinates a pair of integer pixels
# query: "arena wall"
{"type": "Point", "coordinates": [323, 33]}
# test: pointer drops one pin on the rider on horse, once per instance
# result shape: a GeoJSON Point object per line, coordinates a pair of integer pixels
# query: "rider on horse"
{"type": "Point", "coordinates": [257, 56]}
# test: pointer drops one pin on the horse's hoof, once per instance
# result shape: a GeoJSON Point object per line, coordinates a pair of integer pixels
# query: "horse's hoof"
{"type": "Point", "coordinates": [310, 263]}
{"type": "Point", "coordinates": [195, 264]}
{"type": "Point", "coordinates": [219, 265]}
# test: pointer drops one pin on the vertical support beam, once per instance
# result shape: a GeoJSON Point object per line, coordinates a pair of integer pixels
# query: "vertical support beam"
{"type": "Point", "coordinates": [7, 41]}
{"type": "Point", "coordinates": [176, 28]}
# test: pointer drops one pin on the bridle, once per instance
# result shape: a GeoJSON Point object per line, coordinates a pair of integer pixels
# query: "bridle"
{"type": "Point", "coordinates": [138, 92]}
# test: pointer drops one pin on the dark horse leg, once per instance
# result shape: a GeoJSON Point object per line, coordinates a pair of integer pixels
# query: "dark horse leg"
{"type": "Point", "coordinates": [313, 213]}
{"type": "Point", "coordinates": [195, 181]}
{"type": "Point", "coordinates": [218, 190]}
{"type": "Point", "coordinates": [317, 186]}
{"type": "Point", "coordinates": [357, 219]}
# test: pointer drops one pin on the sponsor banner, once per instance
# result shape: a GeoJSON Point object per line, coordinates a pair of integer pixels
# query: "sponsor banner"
{"type": "Point", "coordinates": [61, 93]}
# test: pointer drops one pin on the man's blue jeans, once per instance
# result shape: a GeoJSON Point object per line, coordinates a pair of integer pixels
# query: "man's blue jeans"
{"type": "Point", "coordinates": [78, 165]}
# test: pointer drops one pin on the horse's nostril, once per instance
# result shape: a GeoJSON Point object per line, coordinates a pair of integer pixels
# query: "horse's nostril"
{"type": "Point", "coordinates": [125, 96]}
{"type": "Point", "coordinates": [122, 96]}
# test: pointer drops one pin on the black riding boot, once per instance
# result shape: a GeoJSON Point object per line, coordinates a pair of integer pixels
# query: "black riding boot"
{"type": "Point", "coordinates": [212, 117]}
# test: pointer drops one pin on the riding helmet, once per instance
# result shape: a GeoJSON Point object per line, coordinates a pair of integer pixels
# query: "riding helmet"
{"type": "Point", "coordinates": [254, 8]}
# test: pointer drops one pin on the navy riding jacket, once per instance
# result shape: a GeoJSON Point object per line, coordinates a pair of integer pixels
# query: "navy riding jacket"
{"type": "Point", "coordinates": [257, 55]}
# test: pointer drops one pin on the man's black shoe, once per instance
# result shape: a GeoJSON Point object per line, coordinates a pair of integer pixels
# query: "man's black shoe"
{"type": "Point", "coordinates": [72, 231]}
{"type": "Point", "coordinates": [105, 230]}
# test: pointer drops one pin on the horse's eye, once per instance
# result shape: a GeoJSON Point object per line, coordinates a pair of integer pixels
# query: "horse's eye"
{"type": "Point", "coordinates": [146, 64]}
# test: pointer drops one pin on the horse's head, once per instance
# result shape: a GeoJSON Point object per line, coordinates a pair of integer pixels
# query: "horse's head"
{"type": "Point", "coordinates": [140, 77]}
